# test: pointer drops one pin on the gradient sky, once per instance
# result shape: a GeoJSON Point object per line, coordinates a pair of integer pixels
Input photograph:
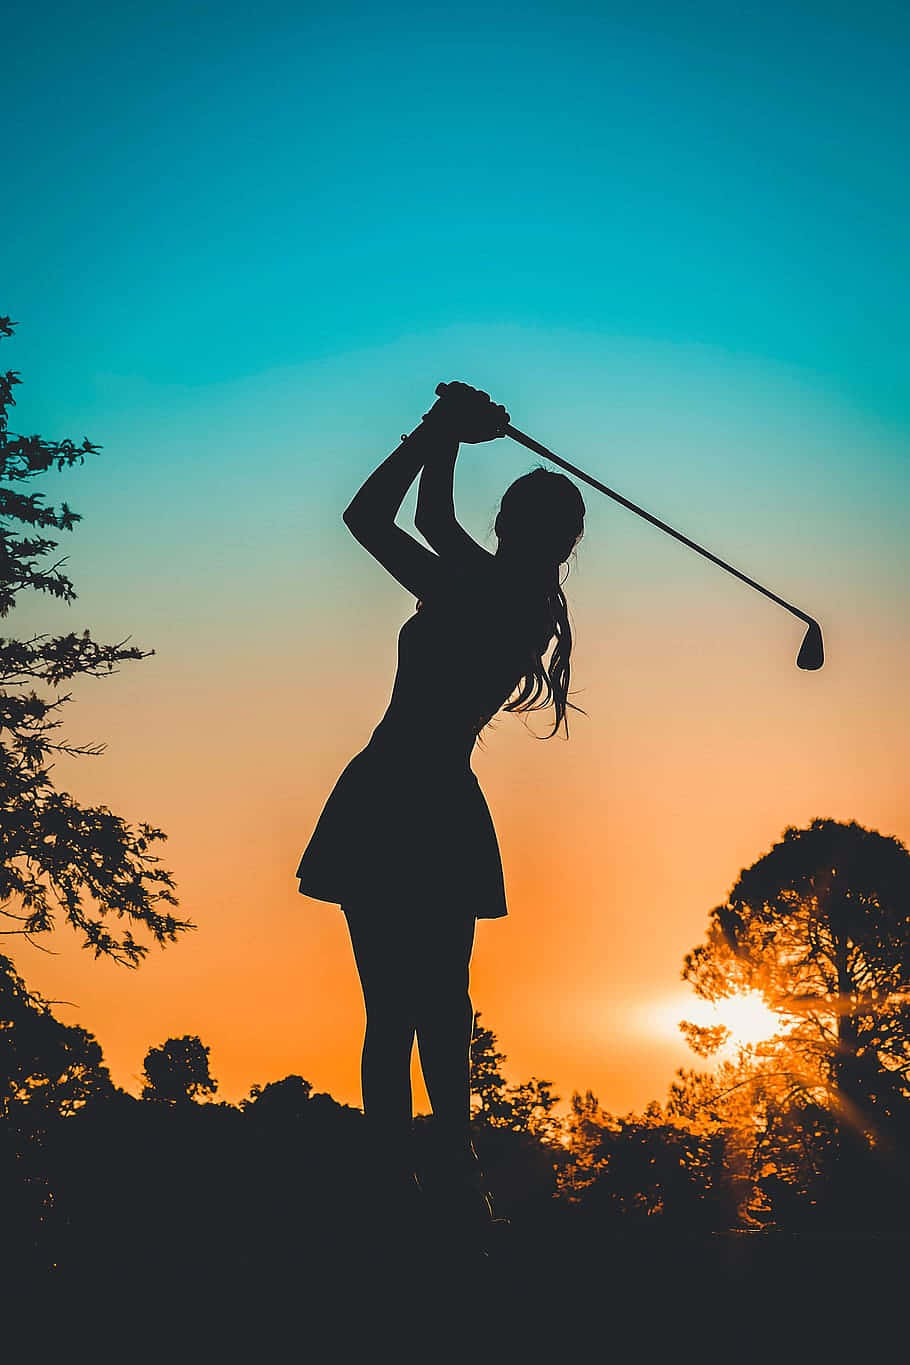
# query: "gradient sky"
{"type": "Point", "coordinates": [243, 245]}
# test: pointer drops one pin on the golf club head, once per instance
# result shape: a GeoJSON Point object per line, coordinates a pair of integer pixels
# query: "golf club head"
{"type": "Point", "coordinates": [812, 650]}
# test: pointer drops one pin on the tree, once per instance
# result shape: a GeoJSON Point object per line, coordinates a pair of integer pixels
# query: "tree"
{"type": "Point", "coordinates": [526, 1107]}
{"type": "Point", "coordinates": [48, 1072]}
{"type": "Point", "coordinates": [56, 855]}
{"type": "Point", "coordinates": [47, 1069]}
{"type": "Point", "coordinates": [820, 925]}
{"type": "Point", "coordinates": [488, 1084]}
{"type": "Point", "coordinates": [646, 1169]}
{"type": "Point", "coordinates": [515, 1132]}
{"type": "Point", "coordinates": [778, 1143]}
{"type": "Point", "coordinates": [178, 1071]}
{"type": "Point", "coordinates": [286, 1101]}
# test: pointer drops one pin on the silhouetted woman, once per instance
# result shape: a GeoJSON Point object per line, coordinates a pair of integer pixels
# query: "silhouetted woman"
{"type": "Point", "coordinates": [405, 843]}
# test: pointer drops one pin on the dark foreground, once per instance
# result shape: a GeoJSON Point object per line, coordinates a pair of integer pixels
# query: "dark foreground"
{"type": "Point", "coordinates": [356, 1290]}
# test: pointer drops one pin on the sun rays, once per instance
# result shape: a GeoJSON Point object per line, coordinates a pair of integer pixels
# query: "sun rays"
{"type": "Point", "coordinates": [746, 1017]}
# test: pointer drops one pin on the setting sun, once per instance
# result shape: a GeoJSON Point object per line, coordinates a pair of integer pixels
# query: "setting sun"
{"type": "Point", "coordinates": [747, 1017]}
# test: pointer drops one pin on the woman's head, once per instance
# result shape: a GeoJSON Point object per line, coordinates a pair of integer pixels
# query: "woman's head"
{"type": "Point", "coordinates": [541, 518]}
{"type": "Point", "coordinates": [540, 521]}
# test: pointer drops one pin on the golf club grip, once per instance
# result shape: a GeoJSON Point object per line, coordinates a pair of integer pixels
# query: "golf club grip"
{"type": "Point", "coordinates": [539, 449]}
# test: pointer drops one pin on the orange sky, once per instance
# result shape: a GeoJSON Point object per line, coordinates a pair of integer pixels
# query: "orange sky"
{"type": "Point", "coordinates": [701, 741]}
{"type": "Point", "coordinates": [674, 246]}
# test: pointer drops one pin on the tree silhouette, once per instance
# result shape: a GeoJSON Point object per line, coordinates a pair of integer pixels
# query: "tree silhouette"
{"type": "Point", "coordinates": [287, 1100]}
{"type": "Point", "coordinates": [524, 1108]}
{"type": "Point", "coordinates": [48, 1072]}
{"type": "Point", "coordinates": [46, 1068]}
{"type": "Point", "coordinates": [516, 1133]}
{"type": "Point", "coordinates": [819, 925]}
{"type": "Point", "coordinates": [178, 1071]}
{"type": "Point", "coordinates": [779, 1143]}
{"type": "Point", "coordinates": [488, 1084]}
{"type": "Point", "coordinates": [54, 853]}
{"type": "Point", "coordinates": [646, 1169]}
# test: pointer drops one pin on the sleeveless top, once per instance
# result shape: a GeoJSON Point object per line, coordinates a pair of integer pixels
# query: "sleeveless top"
{"type": "Point", "coordinates": [460, 657]}
{"type": "Point", "coordinates": [407, 822]}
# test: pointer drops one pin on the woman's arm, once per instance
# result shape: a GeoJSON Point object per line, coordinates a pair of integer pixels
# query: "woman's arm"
{"type": "Point", "coordinates": [370, 516]}
{"type": "Point", "coordinates": [435, 516]}
{"type": "Point", "coordinates": [461, 414]}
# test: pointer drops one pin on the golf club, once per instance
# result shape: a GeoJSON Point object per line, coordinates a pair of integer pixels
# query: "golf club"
{"type": "Point", "coordinates": [812, 651]}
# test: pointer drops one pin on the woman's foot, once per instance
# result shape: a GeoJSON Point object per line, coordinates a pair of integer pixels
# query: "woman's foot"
{"type": "Point", "coordinates": [458, 1200]}
{"type": "Point", "coordinates": [392, 1215]}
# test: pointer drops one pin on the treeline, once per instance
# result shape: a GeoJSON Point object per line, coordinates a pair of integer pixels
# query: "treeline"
{"type": "Point", "coordinates": [95, 1176]}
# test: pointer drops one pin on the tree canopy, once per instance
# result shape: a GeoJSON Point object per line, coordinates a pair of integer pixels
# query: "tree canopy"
{"type": "Point", "coordinates": [178, 1071]}
{"type": "Point", "coordinates": [820, 925]}
{"type": "Point", "coordinates": [57, 855]}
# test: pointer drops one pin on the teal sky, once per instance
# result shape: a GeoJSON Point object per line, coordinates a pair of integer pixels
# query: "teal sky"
{"type": "Point", "coordinates": [243, 243]}
{"type": "Point", "coordinates": [241, 233]}
{"type": "Point", "coordinates": [197, 192]}
{"type": "Point", "coordinates": [247, 241]}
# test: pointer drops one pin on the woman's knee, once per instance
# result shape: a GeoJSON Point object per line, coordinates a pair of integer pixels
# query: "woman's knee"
{"type": "Point", "coordinates": [448, 1011]}
{"type": "Point", "coordinates": [393, 1020]}
{"type": "Point", "coordinates": [445, 980]}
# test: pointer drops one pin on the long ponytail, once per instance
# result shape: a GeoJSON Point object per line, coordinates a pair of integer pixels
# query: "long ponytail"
{"type": "Point", "coordinates": [547, 679]}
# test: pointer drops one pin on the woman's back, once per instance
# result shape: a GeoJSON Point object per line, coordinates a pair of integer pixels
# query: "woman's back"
{"type": "Point", "coordinates": [461, 656]}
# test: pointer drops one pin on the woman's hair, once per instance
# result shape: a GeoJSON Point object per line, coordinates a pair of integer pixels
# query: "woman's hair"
{"type": "Point", "coordinates": [539, 523]}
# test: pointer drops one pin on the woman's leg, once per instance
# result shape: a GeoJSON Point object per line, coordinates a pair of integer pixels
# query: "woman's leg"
{"type": "Point", "coordinates": [445, 1021]}
{"type": "Point", "coordinates": [381, 951]}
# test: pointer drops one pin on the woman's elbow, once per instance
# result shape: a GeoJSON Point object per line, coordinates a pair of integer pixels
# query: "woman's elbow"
{"type": "Point", "coordinates": [352, 516]}
{"type": "Point", "coordinates": [363, 528]}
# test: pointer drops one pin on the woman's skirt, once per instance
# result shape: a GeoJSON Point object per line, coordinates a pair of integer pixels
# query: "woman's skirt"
{"type": "Point", "coordinates": [406, 826]}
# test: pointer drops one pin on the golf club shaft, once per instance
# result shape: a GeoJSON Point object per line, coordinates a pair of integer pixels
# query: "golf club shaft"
{"type": "Point", "coordinates": [655, 521]}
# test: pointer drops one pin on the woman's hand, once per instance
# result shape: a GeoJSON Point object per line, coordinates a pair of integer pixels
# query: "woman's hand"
{"type": "Point", "coordinates": [467, 414]}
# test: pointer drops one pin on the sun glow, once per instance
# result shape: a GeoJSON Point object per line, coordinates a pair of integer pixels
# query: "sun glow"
{"type": "Point", "coordinates": [747, 1017]}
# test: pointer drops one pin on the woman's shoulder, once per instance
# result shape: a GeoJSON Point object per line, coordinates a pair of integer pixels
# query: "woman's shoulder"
{"type": "Point", "coordinates": [493, 594]}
